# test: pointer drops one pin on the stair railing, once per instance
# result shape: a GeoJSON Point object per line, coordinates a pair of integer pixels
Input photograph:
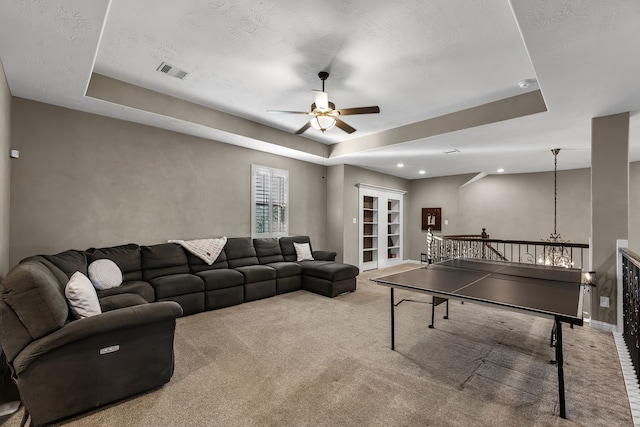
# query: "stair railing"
{"type": "Point", "coordinates": [564, 254]}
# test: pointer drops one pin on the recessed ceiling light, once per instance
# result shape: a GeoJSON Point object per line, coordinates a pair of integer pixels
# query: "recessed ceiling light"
{"type": "Point", "coordinates": [422, 172]}
{"type": "Point", "coordinates": [526, 83]}
{"type": "Point", "coordinates": [400, 165]}
{"type": "Point", "coordinates": [500, 170]}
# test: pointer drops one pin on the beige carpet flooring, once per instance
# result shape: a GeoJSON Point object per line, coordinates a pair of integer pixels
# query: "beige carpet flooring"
{"type": "Point", "coordinates": [301, 359]}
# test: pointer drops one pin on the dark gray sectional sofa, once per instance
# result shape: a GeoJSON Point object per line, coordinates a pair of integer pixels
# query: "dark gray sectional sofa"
{"type": "Point", "coordinates": [64, 366]}
{"type": "Point", "coordinates": [246, 270]}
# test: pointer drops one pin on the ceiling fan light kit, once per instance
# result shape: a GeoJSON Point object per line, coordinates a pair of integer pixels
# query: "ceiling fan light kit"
{"type": "Point", "coordinates": [325, 115]}
{"type": "Point", "coordinates": [323, 122]}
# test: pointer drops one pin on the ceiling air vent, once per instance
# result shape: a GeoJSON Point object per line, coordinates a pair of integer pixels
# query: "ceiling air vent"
{"type": "Point", "coordinates": [172, 71]}
{"type": "Point", "coordinates": [455, 150]}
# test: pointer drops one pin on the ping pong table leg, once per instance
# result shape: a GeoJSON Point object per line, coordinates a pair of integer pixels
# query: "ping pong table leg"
{"type": "Point", "coordinates": [559, 363]}
{"type": "Point", "coordinates": [433, 313]}
{"type": "Point", "coordinates": [393, 329]}
{"type": "Point", "coordinates": [435, 301]}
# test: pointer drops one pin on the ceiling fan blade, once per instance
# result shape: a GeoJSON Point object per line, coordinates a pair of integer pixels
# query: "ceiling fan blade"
{"type": "Point", "coordinates": [345, 127]}
{"type": "Point", "coordinates": [360, 110]}
{"type": "Point", "coordinates": [303, 128]}
{"type": "Point", "coordinates": [287, 112]}
{"type": "Point", "coordinates": [321, 100]}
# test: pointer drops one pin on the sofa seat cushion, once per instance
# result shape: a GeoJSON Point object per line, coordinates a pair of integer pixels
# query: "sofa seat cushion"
{"type": "Point", "coordinates": [286, 269]}
{"type": "Point", "coordinates": [176, 284]}
{"type": "Point", "coordinates": [256, 273]}
{"type": "Point", "coordinates": [221, 279]}
{"type": "Point", "coordinates": [114, 302]}
{"type": "Point", "coordinates": [144, 289]}
{"type": "Point", "coordinates": [327, 270]}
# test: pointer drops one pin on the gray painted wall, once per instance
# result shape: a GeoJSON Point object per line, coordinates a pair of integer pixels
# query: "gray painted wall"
{"type": "Point", "coordinates": [517, 206]}
{"type": "Point", "coordinates": [85, 180]}
{"type": "Point", "coordinates": [5, 171]}
{"type": "Point", "coordinates": [439, 192]}
{"type": "Point", "coordinates": [336, 222]}
{"type": "Point", "coordinates": [609, 206]}
{"type": "Point", "coordinates": [634, 207]}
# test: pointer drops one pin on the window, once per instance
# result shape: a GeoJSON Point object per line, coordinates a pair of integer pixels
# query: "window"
{"type": "Point", "coordinates": [270, 202]}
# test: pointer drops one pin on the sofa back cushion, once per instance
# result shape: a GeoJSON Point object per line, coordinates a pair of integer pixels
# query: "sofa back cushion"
{"type": "Point", "coordinates": [268, 250]}
{"type": "Point", "coordinates": [61, 276]}
{"type": "Point", "coordinates": [240, 252]}
{"type": "Point", "coordinates": [288, 250]}
{"type": "Point", "coordinates": [127, 258]}
{"type": "Point", "coordinates": [163, 260]}
{"type": "Point", "coordinates": [196, 264]}
{"type": "Point", "coordinates": [33, 306]}
{"type": "Point", "coordinates": [69, 261]}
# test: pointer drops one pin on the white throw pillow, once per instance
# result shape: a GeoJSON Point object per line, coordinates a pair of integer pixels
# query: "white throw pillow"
{"type": "Point", "coordinates": [82, 296]}
{"type": "Point", "coordinates": [104, 274]}
{"type": "Point", "coordinates": [303, 250]}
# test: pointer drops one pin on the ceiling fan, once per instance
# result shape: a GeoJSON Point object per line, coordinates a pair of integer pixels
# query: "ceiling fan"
{"type": "Point", "coordinates": [325, 115]}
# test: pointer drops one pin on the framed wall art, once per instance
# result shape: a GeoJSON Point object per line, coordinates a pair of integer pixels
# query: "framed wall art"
{"type": "Point", "coordinates": [432, 218]}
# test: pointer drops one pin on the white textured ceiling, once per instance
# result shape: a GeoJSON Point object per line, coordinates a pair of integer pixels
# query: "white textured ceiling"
{"type": "Point", "coordinates": [415, 59]}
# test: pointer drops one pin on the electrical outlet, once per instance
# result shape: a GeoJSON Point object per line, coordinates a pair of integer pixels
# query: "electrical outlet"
{"type": "Point", "coordinates": [604, 302]}
{"type": "Point", "coordinates": [355, 221]}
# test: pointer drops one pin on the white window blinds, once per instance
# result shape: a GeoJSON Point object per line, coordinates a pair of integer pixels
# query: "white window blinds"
{"type": "Point", "coordinates": [270, 202]}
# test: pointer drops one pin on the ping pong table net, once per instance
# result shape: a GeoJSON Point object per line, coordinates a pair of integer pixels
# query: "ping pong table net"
{"type": "Point", "coordinates": [535, 271]}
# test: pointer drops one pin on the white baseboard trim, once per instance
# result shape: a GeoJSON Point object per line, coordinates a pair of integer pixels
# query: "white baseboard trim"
{"type": "Point", "coordinates": [603, 326]}
{"type": "Point", "coordinates": [630, 378]}
{"type": "Point", "coordinates": [411, 261]}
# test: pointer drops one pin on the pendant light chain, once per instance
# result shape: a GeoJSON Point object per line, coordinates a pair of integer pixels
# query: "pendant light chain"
{"type": "Point", "coordinates": [555, 152]}
{"type": "Point", "coordinates": [555, 194]}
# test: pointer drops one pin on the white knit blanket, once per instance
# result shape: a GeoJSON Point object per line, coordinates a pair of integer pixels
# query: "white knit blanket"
{"type": "Point", "coordinates": [206, 249]}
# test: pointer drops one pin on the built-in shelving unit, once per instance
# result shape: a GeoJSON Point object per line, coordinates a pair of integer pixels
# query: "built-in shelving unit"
{"type": "Point", "coordinates": [393, 229]}
{"type": "Point", "coordinates": [380, 226]}
{"type": "Point", "coordinates": [369, 232]}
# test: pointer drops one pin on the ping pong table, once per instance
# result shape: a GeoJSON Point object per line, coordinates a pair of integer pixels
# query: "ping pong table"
{"type": "Point", "coordinates": [547, 291]}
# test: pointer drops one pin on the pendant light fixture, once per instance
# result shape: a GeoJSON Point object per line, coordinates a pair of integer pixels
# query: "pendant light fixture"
{"type": "Point", "coordinates": [555, 253]}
